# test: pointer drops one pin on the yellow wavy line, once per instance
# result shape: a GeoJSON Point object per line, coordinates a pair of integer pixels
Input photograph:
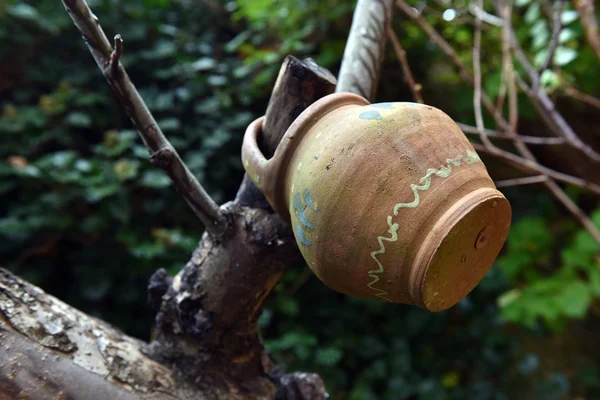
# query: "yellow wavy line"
{"type": "Point", "coordinates": [425, 182]}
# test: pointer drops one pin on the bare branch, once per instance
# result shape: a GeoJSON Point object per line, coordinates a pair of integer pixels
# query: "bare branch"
{"type": "Point", "coordinates": [544, 104]}
{"type": "Point", "coordinates": [556, 28]}
{"type": "Point", "coordinates": [587, 16]}
{"type": "Point", "coordinates": [450, 53]}
{"type": "Point", "coordinates": [574, 209]}
{"type": "Point", "coordinates": [532, 166]}
{"type": "Point", "coordinates": [414, 87]}
{"type": "Point", "coordinates": [162, 153]}
{"type": "Point", "coordinates": [522, 148]}
{"type": "Point", "coordinates": [583, 97]}
{"type": "Point", "coordinates": [468, 129]}
{"type": "Point", "coordinates": [365, 47]}
{"type": "Point", "coordinates": [477, 79]}
{"type": "Point", "coordinates": [521, 181]}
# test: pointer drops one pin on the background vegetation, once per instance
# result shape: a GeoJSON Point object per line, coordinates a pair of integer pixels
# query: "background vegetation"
{"type": "Point", "coordinates": [86, 217]}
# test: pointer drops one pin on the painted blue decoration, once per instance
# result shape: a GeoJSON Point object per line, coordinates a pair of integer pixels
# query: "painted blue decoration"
{"type": "Point", "coordinates": [301, 237]}
{"type": "Point", "coordinates": [300, 212]}
{"type": "Point", "coordinates": [388, 106]}
{"type": "Point", "coordinates": [309, 200]}
{"type": "Point", "coordinates": [371, 114]}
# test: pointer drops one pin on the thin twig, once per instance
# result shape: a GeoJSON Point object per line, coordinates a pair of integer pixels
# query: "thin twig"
{"type": "Point", "coordinates": [521, 181]}
{"type": "Point", "coordinates": [468, 129]}
{"type": "Point", "coordinates": [522, 148]}
{"type": "Point", "coordinates": [583, 97]}
{"type": "Point", "coordinates": [115, 56]}
{"type": "Point", "coordinates": [162, 153]}
{"type": "Point", "coordinates": [587, 16]}
{"type": "Point", "coordinates": [477, 79]}
{"type": "Point", "coordinates": [532, 166]}
{"type": "Point", "coordinates": [513, 159]}
{"type": "Point", "coordinates": [556, 28]}
{"type": "Point", "coordinates": [414, 87]}
{"type": "Point", "coordinates": [540, 99]}
{"type": "Point", "coordinates": [449, 51]}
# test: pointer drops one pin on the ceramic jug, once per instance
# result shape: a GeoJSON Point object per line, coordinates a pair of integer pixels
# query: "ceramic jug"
{"type": "Point", "coordinates": [387, 201]}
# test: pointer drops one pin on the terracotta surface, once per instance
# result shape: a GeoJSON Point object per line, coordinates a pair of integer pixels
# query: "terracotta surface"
{"type": "Point", "coordinates": [388, 201]}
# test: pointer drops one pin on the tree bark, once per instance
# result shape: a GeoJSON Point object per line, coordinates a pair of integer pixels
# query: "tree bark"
{"type": "Point", "coordinates": [207, 343]}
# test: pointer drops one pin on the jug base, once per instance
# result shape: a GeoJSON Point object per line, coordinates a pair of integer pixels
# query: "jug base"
{"type": "Point", "coordinates": [460, 249]}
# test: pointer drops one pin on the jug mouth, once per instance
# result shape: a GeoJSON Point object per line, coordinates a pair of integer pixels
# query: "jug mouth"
{"type": "Point", "coordinates": [459, 250]}
{"type": "Point", "coordinates": [279, 163]}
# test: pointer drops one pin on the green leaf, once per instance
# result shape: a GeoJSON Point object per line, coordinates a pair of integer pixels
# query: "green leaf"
{"type": "Point", "coordinates": [595, 280]}
{"type": "Point", "coordinates": [568, 16]}
{"type": "Point", "coordinates": [533, 13]}
{"type": "Point", "coordinates": [328, 356]}
{"type": "Point", "coordinates": [79, 119]}
{"type": "Point", "coordinates": [155, 179]}
{"type": "Point", "coordinates": [508, 297]}
{"type": "Point", "coordinates": [575, 299]}
{"type": "Point", "coordinates": [564, 55]}
{"type": "Point", "coordinates": [566, 34]}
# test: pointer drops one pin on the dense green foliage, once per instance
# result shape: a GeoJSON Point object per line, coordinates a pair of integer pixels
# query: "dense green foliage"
{"type": "Point", "coordinates": [86, 217]}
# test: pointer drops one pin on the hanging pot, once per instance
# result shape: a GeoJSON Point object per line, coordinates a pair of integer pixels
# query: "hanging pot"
{"type": "Point", "coordinates": [387, 201]}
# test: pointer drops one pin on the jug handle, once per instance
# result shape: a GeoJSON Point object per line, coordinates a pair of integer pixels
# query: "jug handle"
{"type": "Point", "coordinates": [258, 168]}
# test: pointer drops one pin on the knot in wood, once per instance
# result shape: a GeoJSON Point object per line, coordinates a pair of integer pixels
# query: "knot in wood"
{"type": "Point", "coordinates": [163, 158]}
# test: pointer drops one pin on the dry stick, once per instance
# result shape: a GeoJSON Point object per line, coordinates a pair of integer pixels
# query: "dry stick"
{"type": "Point", "coordinates": [587, 16]}
{"type": "Point", "coordinates": [162, 153]}
{"type": "Point", "coordinates": [522, 148]}
{"type": "Point", "coordinates": [583, 97]}
{"type": "Point", "coordinates": [531, 166]}
{"type": "Point", "coordinates": [521, 181]}
{"type": "Point", "coordinates": [542, 101]}
{"type": "Point", "coordinates": [556, 28]}
{"type": "Point", "coordinates": [361, 64]}
{"type": "Point", "coordinates": [539, 140]}
{"type": "Point", "coordinates": [415, 88]}
{"type": "Point", "coordinates": [449, 51]}
{"type": "Point", "coordinates": [511, 158]}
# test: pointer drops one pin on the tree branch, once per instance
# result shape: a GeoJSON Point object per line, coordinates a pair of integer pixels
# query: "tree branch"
{"type": "Point", "coordinates": [210, 309]}
{"type": "Point", "coordinates": [528, 180]}
{"type": "Point", "coordinates": [365, 47]}
{"type": "Point", "coordinates": [555, 189]}
{"type": "Point", "coordinates": [547, 110]}
{"type": "Point", "coordinates": [583, 97]}
{"type": "Point", "coordinates": [539, 140]}
{"type": "Point", "coordinates": [162, 153]}
{"type": "Point", "coordinates": [528, 163]}
{"type": "Point", "coordinates": [50, 350]}
{"type": "Point", "coordinates": [414, 87]}
{"type": "Point", "coordinates": [587, 16]}
{"type": "Point", "coordinates": [554, 41]}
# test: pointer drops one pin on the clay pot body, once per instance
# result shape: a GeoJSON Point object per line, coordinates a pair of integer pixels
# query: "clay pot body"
{"type": "Point", "coordinates": [387, 201]}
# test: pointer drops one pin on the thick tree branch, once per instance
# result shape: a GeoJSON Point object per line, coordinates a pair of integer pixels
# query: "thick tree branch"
{"type": "Point", "coordinates": [365, 47]}
{"type": "Point", "coordinates": [50, 350]}
{"type": "Point", "coordinates": [162, 153]}
{"type": "Point", "coordinates": [210, 309]}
